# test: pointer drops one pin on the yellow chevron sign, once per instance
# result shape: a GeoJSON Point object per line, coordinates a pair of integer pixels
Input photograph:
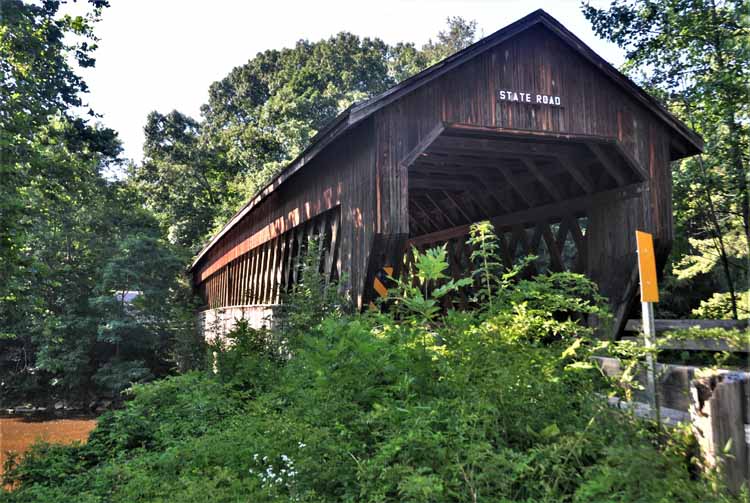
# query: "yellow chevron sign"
{"type": "Point", "coordinates": [381, 276]}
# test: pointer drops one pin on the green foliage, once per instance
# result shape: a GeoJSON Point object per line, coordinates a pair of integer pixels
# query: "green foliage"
{"type": "Point", "coordinates": [488, 265]}
{"type": "Point", "coordinates": [460, 34]}
{"type": "Point", "coordinates": [311, 300]}
{"type": "Point", "coordinates": [421, 301]}
{"type": "Point", "coordinates": [73, 242]}
{"type": "Point", "coordinates": [367, 410]}
{"type": "Point", "coordinates": [719, 306]}
{"type": "Point", "coordinates": [195, 174]}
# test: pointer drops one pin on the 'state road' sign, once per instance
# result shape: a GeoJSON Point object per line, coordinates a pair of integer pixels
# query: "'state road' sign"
{"type": "Point", "coordinates": [531, 98]}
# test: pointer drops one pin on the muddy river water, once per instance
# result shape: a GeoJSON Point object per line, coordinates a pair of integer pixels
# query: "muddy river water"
{"type": "Point", "coordinates": [17, 434]}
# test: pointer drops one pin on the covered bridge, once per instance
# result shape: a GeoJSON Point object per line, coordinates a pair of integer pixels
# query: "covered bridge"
{"type": "Point", "coordinates": [528, 128]}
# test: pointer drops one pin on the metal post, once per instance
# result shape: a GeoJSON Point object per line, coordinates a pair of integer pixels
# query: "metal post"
{"type": "Point", "coordinates": [649, 341]}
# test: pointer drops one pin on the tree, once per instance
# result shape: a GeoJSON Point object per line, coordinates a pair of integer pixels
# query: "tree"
{"type": "Point", "coordinates": [196, 174]}
{"type": "Point", "coordinates": [37, 82]}
{"type": "Point", "coordinates": [695, 54]}
{"type": "Point", "coordinates": [181, 178]}
{"type": "Point", "coordinates": [459, 35]}
{"type": "Point", "coordinates": [63, 225]}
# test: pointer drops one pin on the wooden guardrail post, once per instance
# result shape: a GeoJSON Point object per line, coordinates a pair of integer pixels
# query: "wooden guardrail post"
{"type": "Point", "coordinates": [720, 413]}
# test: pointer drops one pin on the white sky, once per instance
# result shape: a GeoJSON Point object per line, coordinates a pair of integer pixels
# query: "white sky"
{"type": "Point", "coordinates": [163, 54]}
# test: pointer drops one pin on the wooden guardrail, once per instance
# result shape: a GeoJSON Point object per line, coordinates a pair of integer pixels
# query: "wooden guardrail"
{"type": "Point", "coordinates": [719, 404]}
{"type": "Point", "coordinates": [694, 344]}
{"type": "Point", "coordinates": [665, 325]}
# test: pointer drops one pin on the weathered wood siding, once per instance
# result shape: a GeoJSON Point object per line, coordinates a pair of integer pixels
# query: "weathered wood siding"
{"type": "Point", "coordinates": [366, 171]}
{"type": "Point", "coordinates": [342, 175]}
{"type": "Point", "coordinates": [538, 61]}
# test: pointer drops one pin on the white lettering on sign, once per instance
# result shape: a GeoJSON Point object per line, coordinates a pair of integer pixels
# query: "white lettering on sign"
{"type": "Point", "coordinates": [522, 97]}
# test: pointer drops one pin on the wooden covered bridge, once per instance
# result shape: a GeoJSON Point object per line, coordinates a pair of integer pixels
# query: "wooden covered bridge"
{"type": "Point", "coordinates": [528, 128]}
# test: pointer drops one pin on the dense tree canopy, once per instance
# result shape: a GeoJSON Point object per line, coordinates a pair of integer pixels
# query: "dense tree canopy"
{"type": "Point", "coordinates": [62, 223]}
{"type": "Point", "coordinates": [262, 115]}
{"type": "Point", "coordinates": [93, 291]}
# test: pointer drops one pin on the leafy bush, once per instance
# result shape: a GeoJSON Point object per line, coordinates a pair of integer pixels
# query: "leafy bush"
{"type": "Point", "coordinates": [719, 306]}
{"type": "Point", "coordinates": [488, 405]}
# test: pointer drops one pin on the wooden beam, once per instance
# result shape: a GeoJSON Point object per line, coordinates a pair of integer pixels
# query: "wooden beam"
{"type": "Point", "coordinates": [518, 236]}
{"type": "Point", "coordinates": [539, 175]}
{"type": "Point", "coordinates": [440, 236]}
{"type": "Point", "coordinates": [555, 257]}
{"type": "Point", "coordinates": [414, 223]}
{"type": "Point", "coordinates": [440, 210]}
{"type": "Point", "coordinates": [580, 241]}
{"type": "Point", "coordinates": [426, 182]}
{"type": "Point", "coordinates": [332, 249]}
{"type": "Point", "coordinates": [452, 144]}
{"type": "Point", "coordinates": [536, 238]}
{"type": "Point", "coordinates": [642, 173]}
{"type": "Point", "coordinates": [533, 215]}
{"type": "Point", "coordinates": [520, 191]}
{"type": "Point", "coordinates": [427, 215]}
{"type": "Point", "coordinates": [425, 142]}
{"type": "Point", "coordinates": [476, 199]}
{"type": "Point", "coordinates": [634, 325]}
{"type": "Point", "coordinates": [576, 174]}
{"type": "Point", "coordinates": [458, 207]}
{"type": "Point", "coordinates": [608, 165]}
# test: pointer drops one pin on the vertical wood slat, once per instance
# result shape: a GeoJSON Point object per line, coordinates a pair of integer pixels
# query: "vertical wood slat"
{"type": "Point", "coordinates": [299, 241]}
{"type": "Point", "coordinates": [333, 247]}
{"type": "Point", "coordinates": [253, 284]}
{"type": "Point", "coordinates": [556, 263]}
{"type": "Point", "coordinates": [269, 271]}
{"type": "Point", "coordinates": [581, 247]}
{"type": "Point", "coordinates": [240, 266]}
{"type": "Point", "coordinates": [290, 259]}
{"type": "Point", "coordinates": [259, 277]}
{"type": "Point", "coordinates": [272, 272]}
{"type": "Point", "coordinates": [227, 285]}
{"type": "Point", "coordinates": [241, 281]}
{"type": "Point", "coordinates": [234, 283]}
{"type": "Point", "coordinates": [219, 288]}
{"type": "Point", "coordinates": [222, 287]}
{"type": "Point", "coordinates": [264, 272]}
{"type": "Point", "coordinates": [246, 279]}
{"type": "Point", "coordinates": [277, 269]}
{"type": "Point", "coordinates": [321, 227]}
{"type": "Point", "coordinates": [245, 261]}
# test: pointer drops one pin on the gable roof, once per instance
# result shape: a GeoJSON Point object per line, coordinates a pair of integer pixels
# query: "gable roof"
{"type": "Point", "coordinates": [358, 112]}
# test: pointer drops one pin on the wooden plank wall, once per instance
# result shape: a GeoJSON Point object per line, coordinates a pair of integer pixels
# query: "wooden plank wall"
{"type": "Point", "coordinates": [537, 61]}
{"type": "Point", "coordinates": [263, 274]}
{"type": "Point", "coordinates": [341, 176]}
{"type": "Point", "coordinates": [364, 171]}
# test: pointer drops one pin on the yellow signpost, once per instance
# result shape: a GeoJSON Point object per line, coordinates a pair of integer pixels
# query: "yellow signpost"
{"type": "Point", "coordinates": [649, 295]}
{"type": "Point", "coordinates": [647, 267]}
